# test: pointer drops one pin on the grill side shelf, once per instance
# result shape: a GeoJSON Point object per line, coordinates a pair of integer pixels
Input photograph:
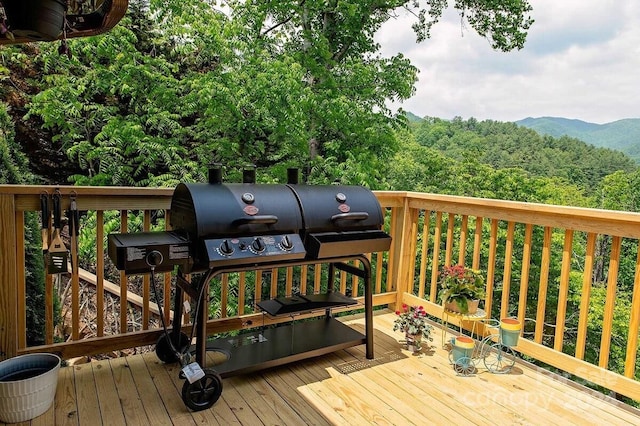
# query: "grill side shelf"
{"type": "Point", "coordinates": [305, 303]}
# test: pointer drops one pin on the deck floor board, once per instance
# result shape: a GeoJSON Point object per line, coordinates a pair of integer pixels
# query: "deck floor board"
{"type": "Point", "coordinates": [342, 388]}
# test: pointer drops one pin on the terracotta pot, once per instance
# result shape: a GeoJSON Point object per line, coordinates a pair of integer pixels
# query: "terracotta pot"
{"type": "Point", "coordinates": [36, 19]}
{"type": "Point", "coordinates": [471, 304]}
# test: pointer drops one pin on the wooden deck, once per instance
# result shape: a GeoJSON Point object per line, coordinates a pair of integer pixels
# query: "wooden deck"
{"type": "Point", "coordinates": [343, 388]}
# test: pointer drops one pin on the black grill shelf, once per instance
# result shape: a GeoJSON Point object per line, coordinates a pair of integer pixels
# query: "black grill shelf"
{"type": "Point", "coordinates": [305, 303]}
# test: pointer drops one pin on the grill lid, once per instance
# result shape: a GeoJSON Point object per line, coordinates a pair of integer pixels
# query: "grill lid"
{"type": "Point", "coordinates": [230, 210]}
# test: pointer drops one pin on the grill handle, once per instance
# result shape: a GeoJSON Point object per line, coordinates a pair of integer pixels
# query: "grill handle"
{"type": "Point", "coordinates": [263, 219]}
{"type": "Point", "coordinates": [350, 216]}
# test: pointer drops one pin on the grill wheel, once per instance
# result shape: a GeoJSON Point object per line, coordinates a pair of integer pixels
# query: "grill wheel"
{"type": "Point", "coordinates": [203, 393]}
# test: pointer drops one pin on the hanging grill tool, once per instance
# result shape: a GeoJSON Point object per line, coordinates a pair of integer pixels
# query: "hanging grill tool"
{"type": "Point", "coordinates": [57, 255]}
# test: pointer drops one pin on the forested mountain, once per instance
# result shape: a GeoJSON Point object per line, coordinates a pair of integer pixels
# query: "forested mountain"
{"type": "Point", "coordinates": [507, 145]}
{"type": "Point", "coordinates": [621, 135]}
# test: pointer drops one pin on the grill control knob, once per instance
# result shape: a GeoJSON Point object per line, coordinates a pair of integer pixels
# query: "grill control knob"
{"type": "Point", "coordinates": [226, 249]}
{"type": "Point", "coordinates": [154, 258]}
{"type": "Point", "coordinates": [258, 245]}
{"type": "Point", "coordinates": [285, 243]}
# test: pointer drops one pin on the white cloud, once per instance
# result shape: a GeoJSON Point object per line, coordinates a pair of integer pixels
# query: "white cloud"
{"type": "Point", "coordinates": [581, 61]}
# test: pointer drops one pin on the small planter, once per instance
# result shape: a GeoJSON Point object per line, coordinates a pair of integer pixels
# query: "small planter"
{"type": "Point", "coordinates": [471, 304]}
{"type": "Point", "coordinates": [462, 349]}
{"type": "Point", "coordinates": [510, 331]}
{"type": "Point", "coordinates": [414, 342]}
{"type": "Point", "coordinates": [27, 386]}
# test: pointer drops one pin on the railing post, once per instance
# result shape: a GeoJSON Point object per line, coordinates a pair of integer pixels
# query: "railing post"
{"type": "Point", "coordinates": [8, 278]}
{"type": "Point", "coordinates": [404, 245]}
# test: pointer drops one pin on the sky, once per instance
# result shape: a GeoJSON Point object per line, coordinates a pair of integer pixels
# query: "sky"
{"type": "Point", "coordinates": [581, 61]}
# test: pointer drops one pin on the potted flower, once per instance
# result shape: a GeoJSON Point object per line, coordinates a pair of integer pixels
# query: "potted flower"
{"type": "Point", "coordinates": [412, 321]}
{"type": "Point", "coordinates": [461, 289]}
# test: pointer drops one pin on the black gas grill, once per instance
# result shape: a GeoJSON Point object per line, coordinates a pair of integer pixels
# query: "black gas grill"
{"type": "Point", "coordinates": [231, 227]}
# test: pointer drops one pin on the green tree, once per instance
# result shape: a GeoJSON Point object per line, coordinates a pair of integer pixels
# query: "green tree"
{"type": "Point", "coordinates": [14, 169]}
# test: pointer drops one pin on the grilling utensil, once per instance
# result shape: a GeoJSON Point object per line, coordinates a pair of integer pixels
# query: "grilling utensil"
{"type": "Point", "coordinates": [57, 255]}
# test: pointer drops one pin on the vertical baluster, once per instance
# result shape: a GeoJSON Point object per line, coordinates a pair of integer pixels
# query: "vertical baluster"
{"type": "Point", "coordinates": [449, 243]}
{"type": "Point", "coordinates": [123, 278]}
{"type": "Point", "coordinates": [289, 281]}
{"type": "Point", "coordinates": [464, 229]}
{"type": "Point", "coordinates": [609, 306]}
{"type": "Point", "coordinates": [224, 295]}
{"type": "Point", "coordinates": [274, 283]}
{"type": "Point", "coordinates": [506, 275]}
{"type": "Point", "coordinates": [585, 296]}
{"type": "Point", "coordinates": [258, 286]}
{"type": "Point", "coordinates": [423, 258]}
{"type": "Point", "coordinates": [166, 293]}
{"type": "Point", "coordinates": [304, 274]}
{"type": "Point", "coordinates": [491, 265]}
{"type": "Point", "coordinates": [21, 280]}
{"type": "Point", "coordinates": [634, 324]}
{"type": "Point", "coordinates": [392, 251]}
{"type": "Point", "coordinates": [75, 285]}
{"type": "Point", "coordinates": [317, 276]}
{"type": "Point", "coordinates": [354, 281]}
{"type": "Point", "coordinates": [146, 293]}
{"type": "Point", "coordinates": [524, 276]}
{"type": "Point", "coordinates": [435, 260]}
{"type": "Point", "coordinates": [242, 282]}
{"type": "Point", "coordinates": [477, 241]}
{"type": "Point", "coordinates": [544, 282]}
{"type": "Point", "coordinates": [379, 266]}
{"type": "Point", "coordinates": [563, 290]}
{"type": "Point", "coordinates": [100, 273]}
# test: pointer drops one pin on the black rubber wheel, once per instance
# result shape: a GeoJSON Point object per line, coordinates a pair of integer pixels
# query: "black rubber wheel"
{"type": "Point", "coordinates": [203, 393]}
{"type": "Point", "coordinates": [164, 351]}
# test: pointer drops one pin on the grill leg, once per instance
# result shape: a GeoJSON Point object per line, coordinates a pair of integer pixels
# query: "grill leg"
{"type": "Point", "coordinates": [368, 307]}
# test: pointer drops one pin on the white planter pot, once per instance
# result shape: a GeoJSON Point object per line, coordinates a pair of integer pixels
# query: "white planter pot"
{"type": "Point", "coordinates": [27, 386]}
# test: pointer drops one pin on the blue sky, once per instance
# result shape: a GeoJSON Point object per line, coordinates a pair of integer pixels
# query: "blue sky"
{"type": "Point", "coordinates": [581, 60]}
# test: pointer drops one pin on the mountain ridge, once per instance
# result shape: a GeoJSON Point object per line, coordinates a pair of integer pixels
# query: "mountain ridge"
{"type": "Point", "coordinates": [621, 135]}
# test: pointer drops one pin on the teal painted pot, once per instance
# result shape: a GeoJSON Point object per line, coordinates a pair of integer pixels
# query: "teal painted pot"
{"type": "Point", "coordinates": [510, 331]}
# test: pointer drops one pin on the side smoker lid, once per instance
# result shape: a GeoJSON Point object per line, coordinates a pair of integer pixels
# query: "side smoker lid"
{"type": "Point", "coordinates": [227, 210]}
{"type": "Point", "coordinates": [327, 208]}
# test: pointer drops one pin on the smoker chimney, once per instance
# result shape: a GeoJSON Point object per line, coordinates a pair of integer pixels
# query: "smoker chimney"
{"type": "Point", "coordinates": [292, 175]}
{"type": "Point", "coordinates": [215, 174]}
{"type": "Point", "coordinates": [249, 174]}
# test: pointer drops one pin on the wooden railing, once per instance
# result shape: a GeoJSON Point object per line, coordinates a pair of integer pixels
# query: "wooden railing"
{"type": "Point", "coordinates": [571, 275]}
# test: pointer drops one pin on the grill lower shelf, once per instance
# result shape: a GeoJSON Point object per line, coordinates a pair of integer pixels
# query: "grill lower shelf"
{"type": "Point", "coordinates": [305, 303]}
{"type": "Point", "coordinates": [281, 345]}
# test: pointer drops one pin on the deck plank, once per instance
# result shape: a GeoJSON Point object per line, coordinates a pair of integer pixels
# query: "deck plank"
{"type": "Point", "coordinates": [170, 395]}
{"type": "Point", "coordinates": [65, 408]}
{"type": "Point", "coordinates": [88, 404]}
{"type": "Point", "coordinates": [341, 388]}
{"type": "Point", "coordinates": [149, 395]}
{"type": "Point", "coordinates": [109, 401]}
{"type": "Point", "coordinates": [286, 384]}
{"type": "Point", "coordinates": [132, 406]}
